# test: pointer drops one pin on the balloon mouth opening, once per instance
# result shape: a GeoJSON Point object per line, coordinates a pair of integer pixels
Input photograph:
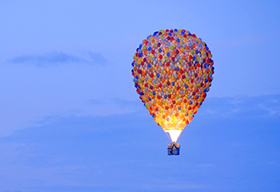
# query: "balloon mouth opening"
{"type": "Point", "coordinates": [173, 134]}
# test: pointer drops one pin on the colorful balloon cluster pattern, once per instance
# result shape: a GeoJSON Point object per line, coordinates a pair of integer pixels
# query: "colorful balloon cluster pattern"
{"type": "Point", "coordinates": [172, 72]}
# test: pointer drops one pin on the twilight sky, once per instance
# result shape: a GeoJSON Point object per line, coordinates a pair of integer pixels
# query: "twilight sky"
{"type": "Point", "coordinates": [71, 120]}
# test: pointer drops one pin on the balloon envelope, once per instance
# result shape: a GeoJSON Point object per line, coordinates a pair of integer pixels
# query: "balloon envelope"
{"type": "Point", "coordinates": [172, 72]}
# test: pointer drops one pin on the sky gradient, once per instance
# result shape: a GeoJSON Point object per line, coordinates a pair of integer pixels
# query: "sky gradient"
{"type": "Point", "coordinates": [71, 119]}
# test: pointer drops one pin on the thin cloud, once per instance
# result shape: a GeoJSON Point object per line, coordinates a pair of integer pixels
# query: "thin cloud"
{"type": "Point", "coordinates": [109, 106]}
{"type": "Point", "coordinates": [242, 106]}
{"type": "Point", "coordinates": [47, 59]}
{"type": "Point", "coordinates": [117, 101]}
{"type": "Point", "coordinates": [56, 59]}
{"type": "Point", "coordinates": [97, 58]}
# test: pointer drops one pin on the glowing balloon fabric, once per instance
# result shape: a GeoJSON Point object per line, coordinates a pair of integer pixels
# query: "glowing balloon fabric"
{"type": "Point", "coordinates": [172, 72]}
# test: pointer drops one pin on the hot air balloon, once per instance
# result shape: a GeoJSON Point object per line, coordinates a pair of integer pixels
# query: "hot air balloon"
{"type": "Point", "coordinates": [172, 72]}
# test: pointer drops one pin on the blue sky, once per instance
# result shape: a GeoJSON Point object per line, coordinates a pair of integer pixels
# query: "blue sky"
{"type": "Point", "coordinates": [71, 119]}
